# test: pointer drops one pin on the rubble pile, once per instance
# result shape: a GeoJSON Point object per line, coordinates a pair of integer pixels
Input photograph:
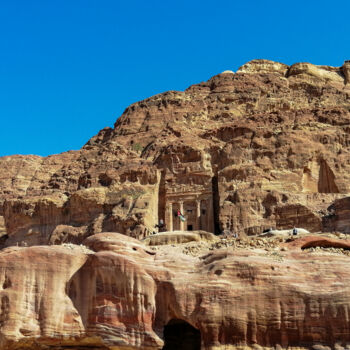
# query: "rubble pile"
{"type": "Point", "coordinates": [329, 250]}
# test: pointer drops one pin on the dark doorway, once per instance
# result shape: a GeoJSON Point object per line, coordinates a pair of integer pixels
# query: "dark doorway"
{"type": "Point", "coordinates": [179, 334]}
{"type": "Point", "coordinates": [189, 228]}
{"type": "Point", "coordinates": [161, 201]}
{"type": "Point", "coordinates": [216, 206]}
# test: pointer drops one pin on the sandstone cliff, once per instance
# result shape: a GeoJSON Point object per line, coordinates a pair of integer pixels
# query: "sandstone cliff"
{"type": "Point", "coordinates": [116, 293]}
{"type": "Point", "coordinates": [268, 146]}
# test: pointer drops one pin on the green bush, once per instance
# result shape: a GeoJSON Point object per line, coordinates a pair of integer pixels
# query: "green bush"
{"type": "Point", "coordinates": [137, 147]}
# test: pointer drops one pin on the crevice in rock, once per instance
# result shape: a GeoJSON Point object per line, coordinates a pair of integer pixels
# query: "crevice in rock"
{"type": "Point", "coordinates": [105, 180]}
{"type": "Point", "coordinates": [269, 202]}
{"type": "Point", "coordinates": [4, 310]}
{"type": "Point", "coordinates": [72, 291]}
{"type": "Point", "coordinates": [326, 179]}
{"type": "Point", "coordinates": [161, 196]}
{"type": "Point", "coordinates": [216, 204]}
{"type": "Point", "coordinates": [84, 181]}
{"type": "Point", "coordinates": [7, 283]}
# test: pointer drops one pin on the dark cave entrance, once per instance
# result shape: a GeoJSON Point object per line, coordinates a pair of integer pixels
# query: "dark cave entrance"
{"type": "Point", "coordinates": [179, 334]}
{"type": "Point", "coordinates": [216, 205]}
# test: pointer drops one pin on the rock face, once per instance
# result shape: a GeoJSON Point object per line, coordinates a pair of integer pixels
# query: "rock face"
{"type": "Point", "coordinates": [267, 146]}
{"type": "Point", "coordinates": [276, 135]}
{"type": "Point", "coordinates": [116, 293]}
{"type": "Point", "coordinates": [338, 218]}
{"type": "Point", "coordinates": [178, 237]}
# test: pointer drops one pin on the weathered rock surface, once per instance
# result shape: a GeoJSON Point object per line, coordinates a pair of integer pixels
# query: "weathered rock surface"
{"type": "Point", "coordinates": [115, 293]}
{"type": "Point", "coordinates": [338, 218]}
{"type": "Point", "coordinates": [178, 237]}
{"type": "Point", "coordinates": [267, 146]}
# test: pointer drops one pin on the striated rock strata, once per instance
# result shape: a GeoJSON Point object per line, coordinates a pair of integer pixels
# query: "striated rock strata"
{"type": "Point", "coordinates": [116, 293]}
{"type": "Point", "coordinates": [267, 146]}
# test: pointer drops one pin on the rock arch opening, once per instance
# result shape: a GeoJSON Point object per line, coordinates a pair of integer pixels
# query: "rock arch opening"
{"type": "Point", "coordinates": [179, 334]}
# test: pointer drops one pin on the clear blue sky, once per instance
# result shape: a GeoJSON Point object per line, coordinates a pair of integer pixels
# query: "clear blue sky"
{"type": "Point", "coordinates": [68, 68]}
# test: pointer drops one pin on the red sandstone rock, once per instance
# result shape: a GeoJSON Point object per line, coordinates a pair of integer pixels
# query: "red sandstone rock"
{"type": "Point", "coordinates": [266, 146]}
{"type": "Point", "coordinates": [318, 241]}
{"type": "Point", "coordinates": [120, 295]}
{"type": "Point", "coordinates": [338, 218]}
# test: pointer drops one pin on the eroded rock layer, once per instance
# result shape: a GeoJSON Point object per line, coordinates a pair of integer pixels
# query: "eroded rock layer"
{"type": "Point", "coordinates": [267, 146]}
{"type": "Point", "coordinates": [116, 293]}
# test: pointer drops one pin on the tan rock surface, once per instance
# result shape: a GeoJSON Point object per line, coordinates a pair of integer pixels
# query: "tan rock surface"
{"type": "Point", "coordinates": [338, 218]}
{"type": "Point", "coordinates": [267, 146]}
{"type": "Point", "coordinates": [117, 294]}
{"type": "Point", "coordinates": [34, 303]}
{"type": "Point", "coordinates": [2, 226]}
{"type": "Point", "coordinates": [178, 237]}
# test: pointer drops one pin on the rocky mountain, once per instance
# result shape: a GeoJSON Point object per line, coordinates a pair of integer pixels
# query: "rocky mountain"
{"type": "Point", "coordinates": [267, 146]}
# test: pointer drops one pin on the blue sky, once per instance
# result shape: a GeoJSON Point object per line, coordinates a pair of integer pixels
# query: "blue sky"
{"type": "Point", "coordinates": [68, 68]}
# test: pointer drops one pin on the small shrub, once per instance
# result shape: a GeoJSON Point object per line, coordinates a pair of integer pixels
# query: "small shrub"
{"type": "Point", "coordinates": [137, 147]}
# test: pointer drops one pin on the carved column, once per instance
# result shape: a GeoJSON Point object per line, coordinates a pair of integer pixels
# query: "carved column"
{"type": "Point", "coordinates": [198, 216]}
{"type": "Point", "coordinates": [182, 224]}
{"type": "Point", "coordinates": [170, 217]}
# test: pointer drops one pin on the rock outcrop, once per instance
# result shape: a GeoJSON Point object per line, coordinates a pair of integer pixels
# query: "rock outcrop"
{"type": "Point", "coordinates": [267, 146]}
{"type": "Point", "coordinates": [338, 218]}
{"type": "Point", "coordinates": [178, 237]}
{"type": "Point", "coordinates": [116, 293]}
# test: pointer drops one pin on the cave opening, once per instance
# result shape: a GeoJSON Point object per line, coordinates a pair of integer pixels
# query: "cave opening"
{"type": "Point", "coordinates": [179, 334]}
